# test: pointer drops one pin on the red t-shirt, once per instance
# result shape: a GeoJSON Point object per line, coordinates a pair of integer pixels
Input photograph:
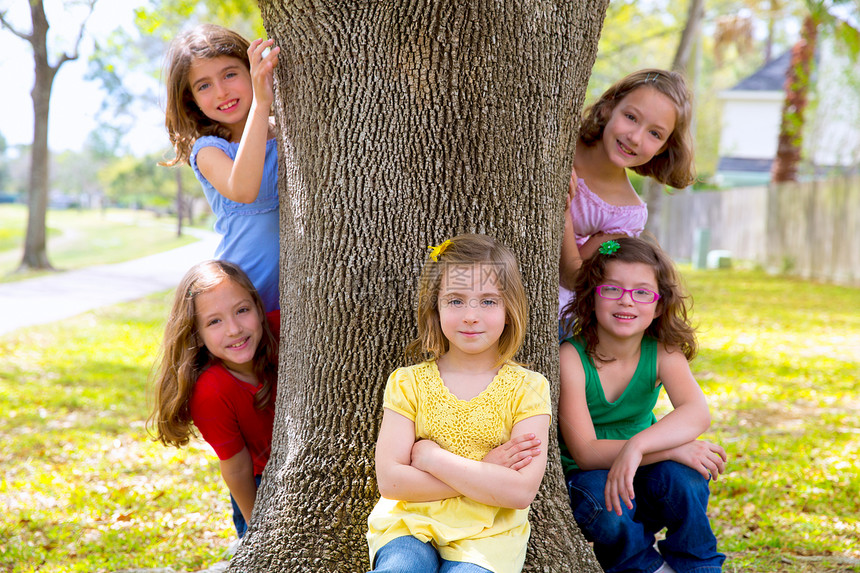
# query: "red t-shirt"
{"type": "Point", "coordinates": [222, 408]}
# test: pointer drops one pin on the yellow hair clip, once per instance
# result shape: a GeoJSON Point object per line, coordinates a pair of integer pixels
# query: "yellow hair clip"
{"type": "Point", "coordinates": [436, 251]}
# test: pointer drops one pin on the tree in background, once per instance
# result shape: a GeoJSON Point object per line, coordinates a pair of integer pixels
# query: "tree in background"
{"type": "Point", "coordinates": [35, 243]}
{"type": "Point", "coordinates": [819, 14]}
{"type": "Point", "coordinates": [635, 35]}
{"type": "Point", "coordinates": [137, 181]}
{"type": "Point", "coordinates": [402, 124]}
{"type": "Point", "coordinates": [5, 177]}
{"type": "Point", "coordinates": [652, 190]}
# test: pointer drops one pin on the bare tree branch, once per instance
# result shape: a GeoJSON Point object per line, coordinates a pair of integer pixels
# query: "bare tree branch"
{"type": "Point", "coordinates": [74, 56]}
{"type": "Point", "coordinates": [6, 24]}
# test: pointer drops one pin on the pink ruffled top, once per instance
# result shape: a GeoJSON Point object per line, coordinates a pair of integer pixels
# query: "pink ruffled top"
{"type": "Point", "coordinates": [591, 214]}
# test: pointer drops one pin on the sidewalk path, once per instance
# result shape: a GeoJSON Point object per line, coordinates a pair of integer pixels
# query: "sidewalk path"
{"type": "Point", "coordinates": [61, 295]}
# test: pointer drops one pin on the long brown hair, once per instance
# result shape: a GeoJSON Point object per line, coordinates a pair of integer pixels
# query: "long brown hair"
{"type": "Point", "coordinates": [184, 356]}
{"type": "Point", "coordinates": [468, 250]}
{"type": "Point", "coordinates": [674, 165]}
{"type": "Point", "coordinates": [671, 327]}
{"type": "Point", "coordinates": [183, 119]}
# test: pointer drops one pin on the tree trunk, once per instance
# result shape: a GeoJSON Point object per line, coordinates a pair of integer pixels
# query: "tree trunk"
{"type": "Point", "coordinates": [180, 203]}
{"type": "Point", "coordinates": [688, 37]}
{"type": "Point", "coordinates": [797, 80]}
{"type": "Point", "coordinates": [653, 191]}
{"type": "Point", "coordinates": [773, 13]}
{"type": "Point", "coordinates": [403, 124]}
{"type": "Point", "coordinates": [35, 242]}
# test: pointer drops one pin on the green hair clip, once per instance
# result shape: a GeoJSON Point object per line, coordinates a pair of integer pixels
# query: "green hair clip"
{"type": "Point", "coordinates": [609, 247]}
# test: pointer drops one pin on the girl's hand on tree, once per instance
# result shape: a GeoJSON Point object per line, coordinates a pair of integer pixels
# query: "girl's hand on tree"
{"type": "Point", "coordinates": [571, 187]}
{"type": "Point", "coordinates": [516, 453]}
{"type": "Point", "coordinates": [706, 458]}
{"type": "Point", "coordinates": [619, 482]}
{"type": "Point", "coordinates": [263, 71]}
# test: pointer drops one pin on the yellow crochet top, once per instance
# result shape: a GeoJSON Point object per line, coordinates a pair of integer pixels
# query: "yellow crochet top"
{"type": "Point", "coordinates": [460, 528]}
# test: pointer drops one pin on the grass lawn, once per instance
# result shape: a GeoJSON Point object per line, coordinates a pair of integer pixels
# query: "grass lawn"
{"type": "Point", "coordinates": [83, 489]}
{"type": "Point", "coordinates": [780, 364]}
{"type": "Point", "coordinates": [79, 238]}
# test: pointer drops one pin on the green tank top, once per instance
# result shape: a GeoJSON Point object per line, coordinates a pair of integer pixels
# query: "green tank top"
{"type": "Point", "coordinates": [631, 413]}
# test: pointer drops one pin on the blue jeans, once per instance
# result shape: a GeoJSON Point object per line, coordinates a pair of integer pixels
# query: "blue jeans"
{"type": "Point", "coordinates": [668, 494]}
{"type": "Point", "coordinates": [238, 519]}
{"type": "Point", "coordinates": [407, 554]}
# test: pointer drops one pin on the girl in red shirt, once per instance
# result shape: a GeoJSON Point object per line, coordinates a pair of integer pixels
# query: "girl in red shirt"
{"type": "Point", "coordinates": [218, 371]}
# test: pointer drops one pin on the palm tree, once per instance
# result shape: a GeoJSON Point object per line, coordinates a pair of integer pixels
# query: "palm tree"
{"type": "Point", "coordinates": [820, 14]}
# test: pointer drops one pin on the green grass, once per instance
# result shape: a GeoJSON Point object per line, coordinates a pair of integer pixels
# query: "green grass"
{"type": "Point", "coordinates": [80, 238]}
{"type": "Point", "coordinates": [83, 489]}
{"type": "Point", "coordinates": [780, 364]}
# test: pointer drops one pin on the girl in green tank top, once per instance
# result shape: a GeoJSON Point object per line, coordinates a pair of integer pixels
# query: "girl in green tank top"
{"type": "Point", "coordinates": [631, 335]}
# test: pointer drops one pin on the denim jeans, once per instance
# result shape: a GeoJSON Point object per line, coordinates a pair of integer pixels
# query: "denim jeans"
{"type": "Point", "coordinates": [238, 519]}
{"type": "Point", "coordinates": [407, 554]}
{"type": "Point", "coordinates": [668, 494]}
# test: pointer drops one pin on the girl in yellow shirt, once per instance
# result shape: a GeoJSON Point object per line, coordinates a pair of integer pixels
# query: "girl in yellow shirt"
{"type": "Point", "coordinates": [457, 457]}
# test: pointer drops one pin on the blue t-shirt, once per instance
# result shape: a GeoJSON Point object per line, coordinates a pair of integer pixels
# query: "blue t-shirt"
{"type": "Point", "coordinates": [250, 231]}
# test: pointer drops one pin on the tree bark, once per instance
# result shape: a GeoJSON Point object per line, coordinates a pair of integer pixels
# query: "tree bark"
{"type": "Point", "coordinates": [797, 80]}
{"type": "Point", "coordinates": [403, 124]}
{"type": "Point", "coordinates": [180, 204]}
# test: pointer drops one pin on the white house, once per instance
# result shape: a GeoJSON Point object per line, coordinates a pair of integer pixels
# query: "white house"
{"type": "Point", "coordinates": [752, 109]}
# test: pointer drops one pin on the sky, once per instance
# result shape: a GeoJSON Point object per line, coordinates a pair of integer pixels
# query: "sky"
{"type": "Point", "coordinates": [74, 101]}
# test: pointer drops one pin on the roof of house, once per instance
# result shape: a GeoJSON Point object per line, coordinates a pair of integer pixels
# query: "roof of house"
{"type": "Point", "coordinates": [745, 164]}
{"type": "Point", "coordinates": [769, 77]}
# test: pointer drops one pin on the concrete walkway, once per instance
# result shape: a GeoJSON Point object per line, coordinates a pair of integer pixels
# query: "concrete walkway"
{"type": "Point", "coordinates": [64, 294]}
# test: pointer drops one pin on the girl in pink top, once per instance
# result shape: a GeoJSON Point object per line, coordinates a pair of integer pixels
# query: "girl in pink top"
{"type": "Point", "coordinates": [640, 123]}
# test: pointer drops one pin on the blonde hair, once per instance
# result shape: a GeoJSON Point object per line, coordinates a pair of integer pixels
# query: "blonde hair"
{"type": "Point", "coordinates": [466, 250]}
{"type": "Point", "coordinates": [184, 121]}
{"type": "Point", "coordinates": [674, 164]}
{"type": "Point", "coordinates": [184, 356]}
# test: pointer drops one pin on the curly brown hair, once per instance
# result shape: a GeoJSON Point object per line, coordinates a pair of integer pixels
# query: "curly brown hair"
{"type": "Point", "coordinates": [674, 164]}
{"type": "Point", "coordinates": [184, 356]}
{"type": "Point", "coordinates": [184, 121]}
{"type": "Point", "coordinates": [670, 327]}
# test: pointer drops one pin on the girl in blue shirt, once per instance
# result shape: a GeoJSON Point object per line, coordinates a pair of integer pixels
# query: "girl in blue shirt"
{"type": "Point", "coordinates": [219, 95]}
